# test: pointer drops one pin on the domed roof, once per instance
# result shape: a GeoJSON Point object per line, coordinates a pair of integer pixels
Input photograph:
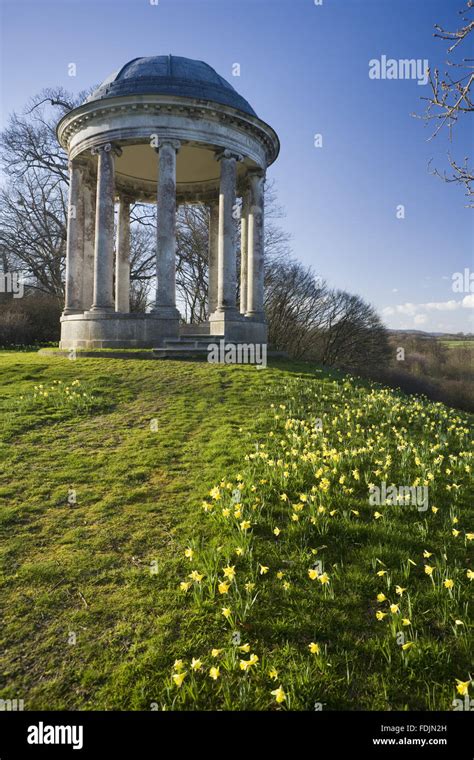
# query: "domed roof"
{"type": "Point", "coordinates": [171, 75]}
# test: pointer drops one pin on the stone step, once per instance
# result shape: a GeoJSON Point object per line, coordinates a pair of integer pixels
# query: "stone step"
{"type": "Point", "coordinates": [180, 352]}
{"type": "Point", "coordinates": [202, 338]}
{"type": "Point", "coordinates": [177, 342]}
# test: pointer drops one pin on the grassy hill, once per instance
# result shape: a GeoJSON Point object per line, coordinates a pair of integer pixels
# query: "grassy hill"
{"type": "Point", "coordinates": [188, 536]}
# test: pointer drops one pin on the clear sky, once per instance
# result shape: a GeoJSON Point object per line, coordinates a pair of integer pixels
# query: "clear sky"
{"type": "Point", "coordinates": [305, 70]}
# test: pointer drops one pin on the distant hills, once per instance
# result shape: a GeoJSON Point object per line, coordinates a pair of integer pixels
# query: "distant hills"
{"type": "Point", "coordinates": [423, 334]}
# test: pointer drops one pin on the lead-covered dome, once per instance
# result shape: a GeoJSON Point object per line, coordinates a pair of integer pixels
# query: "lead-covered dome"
{"type": "Point", "coordinates": [171, 75]}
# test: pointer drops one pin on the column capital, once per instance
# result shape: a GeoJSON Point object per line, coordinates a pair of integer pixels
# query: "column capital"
{"type": "Point", "coordinates": [226, 153]}
{"type": "Point", "coordinates": [254, 175]}
{"type": "Point", "coordinates": [106, 148]}
{"type": "Point", "coordinates": [176, 144]}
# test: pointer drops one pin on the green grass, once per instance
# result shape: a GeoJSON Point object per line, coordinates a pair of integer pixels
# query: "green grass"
{"type": "Point", "coordinates": [104, 491]}
{"type": "Point", "coordinates": [453, 343]}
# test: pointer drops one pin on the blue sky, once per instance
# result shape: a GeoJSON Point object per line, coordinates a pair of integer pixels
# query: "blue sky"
{"type": "Point", "coordinates": [304, 68]}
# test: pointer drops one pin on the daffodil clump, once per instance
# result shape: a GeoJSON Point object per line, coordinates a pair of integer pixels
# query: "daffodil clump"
{"type": "Point", "coordinates": [313, 597]}
{"type": "Point", "coordinates": [58, 395]}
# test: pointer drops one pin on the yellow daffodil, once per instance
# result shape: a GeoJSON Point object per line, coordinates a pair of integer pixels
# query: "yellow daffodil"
{"type": "Point", "coordinates": [324, 579]}
{"type": "Point", "coordinates": [381, 597]}
{"type": "Point", "coordinates": [394, 608]}
{"type": "Point", "coordinates": [178, 678]}
{"type": "Point", "coordinates": [273, 673]}
{"type": "Point", "coordinates": [381, 573]}
{"type": "Point", "coordinates": [470, 574]}
{"type": "Point", "coordinates": [313, 574]}
{"type": "Point", "coordinates": [263, 569]}
{"type": "Point", "coordinates": [448, 583]}
{"type": "Point", "coordinates": [214, 673]}
{"type": "Point", "coordinates": [399, 590]}
{"type": "Point", "coordinates": [185, 585]}
{"type": "Point", "coordinates": [429, 570]}
{"type": "Point", "coordinates": [189, 553]}
{"type": "Point", "coordinates": [178, 665]}
{"type": "Point", "coordinates": [408, 645]}
{"type": "Point", "coordinates": [427, 554]}
{"type": "Point", "coordinates": [195, 576]}
{"type": "Point", "coordinates": [455, 532]}
{"type": "Point", "coordinates": [380, 615]}
{"type": "Point", "coordinates": [227, 612]}
{"type": "Point", "coordinates": [276, 531]}
{"type": "Point", "coordinates": [215, 652]}
{"type": "Point", "coordinates": [246, 664]}
{"type": "Point", "coordinates": [470, 536]}
{"type": "Point", "coordinates": [279, 694]}
{"type": "Point", "coordinates": [406, 621]}
{"type": "Point", "coordinates": [244, 525]}
{"type": "Point", "coordinates": [196, 663]}
{"type": "Point", "coordinates": [229, 572]}
{"type": "Point", "coordinates": [462, 687]}
{"type": "Point", "coordinates": [245, 648]}
{"type": "Point", "coordinates": [314, 648]}
{"type": "Point", "coordinates": [223, 588]}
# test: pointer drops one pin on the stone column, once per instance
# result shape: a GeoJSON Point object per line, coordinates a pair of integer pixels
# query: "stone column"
{"type": "Point", "coordinates": [256, 245]}
{"type": "Point", "coordinates": [122, 257]}
{"type": "Point", "coordinates": [226, 279]}
{"type": "Point", "coordinates": [89, 242]}
{"type": "Point", "coordinates": [213, 255]}
{"type": "Point", "coordinates": [244, 253]}
{"type": "Point", "coordinates": [166, 230]}
{"type": "Point", "coordinates": [104, 230]}
{"type": "Point", "coordinates": [74, 241]}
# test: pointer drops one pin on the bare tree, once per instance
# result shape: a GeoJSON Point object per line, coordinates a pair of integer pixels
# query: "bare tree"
{"type": "Point", "coordinates": [295, 306]}
{"type": "Point", "coordinates": [33, 229]}
{"type": "Point", "coordinates": [353, 335]}
{"type": "Point", "coordinates": [309, 321]}
{"type": "Point", "coordinates": [451, 98]}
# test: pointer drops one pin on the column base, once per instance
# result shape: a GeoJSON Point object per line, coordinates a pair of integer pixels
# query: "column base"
{"type": "Point", "coordinates": [236, 327]}
{"type": "Point", "coordinates": [165, 312]}
{"type": "Point", "coordinates": [100, 310]}
{"type": "Point", "coordinates": [256, 316]}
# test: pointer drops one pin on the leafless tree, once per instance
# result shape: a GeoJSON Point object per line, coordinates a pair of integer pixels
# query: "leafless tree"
{"type": "Point", "coordinates": [451, 97]}
{"type": "Point", "coordinates": [309, 321]}
{"type": "Point", "coordinates": [353, 335]}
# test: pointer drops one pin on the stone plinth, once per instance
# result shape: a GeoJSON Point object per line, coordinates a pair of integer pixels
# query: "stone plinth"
{"type": "Point", "coordinates": [115, 330]}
